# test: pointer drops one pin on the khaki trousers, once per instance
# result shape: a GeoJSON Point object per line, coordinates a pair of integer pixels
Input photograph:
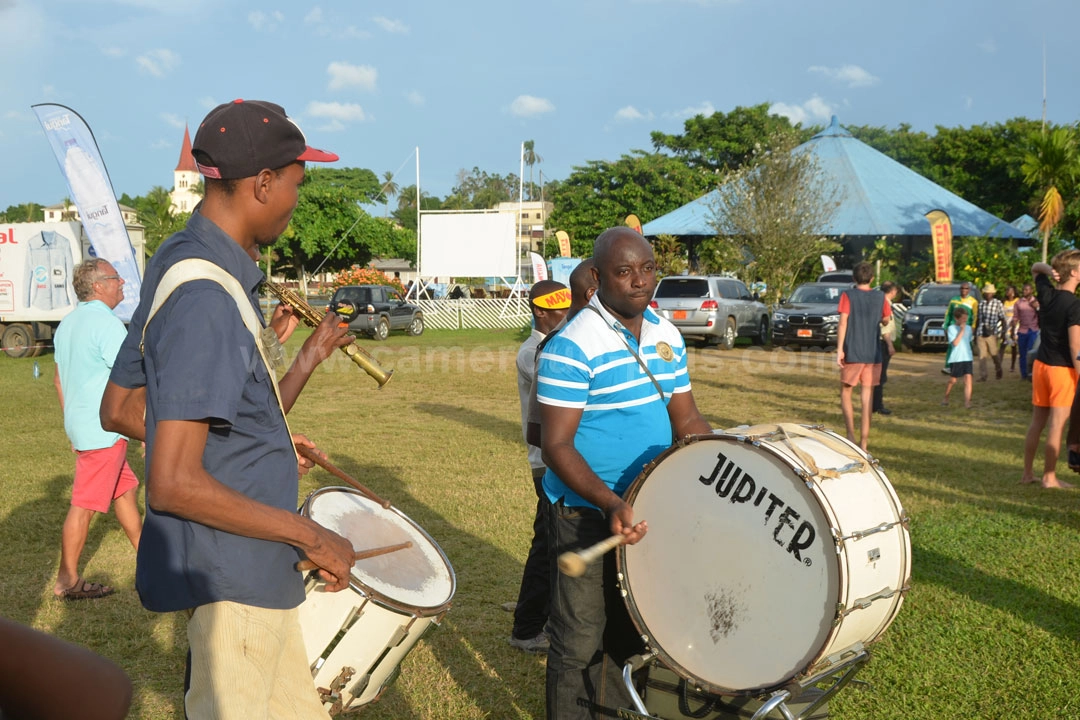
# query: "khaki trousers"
{"type": "Point", "coordinates": [988, 347]}
{"type": "Point", "coordinates": [249, 663]}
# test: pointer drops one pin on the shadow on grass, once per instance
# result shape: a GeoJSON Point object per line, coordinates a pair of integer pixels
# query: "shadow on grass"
{"type": "Point", "coordinates": [470, 646]}
{"type": "Point", "coordinates": [503, 429]}
{"type": "Point", "coordinates": [116, 627]}
{"type": "Point", "coordinates": [1033, 606]}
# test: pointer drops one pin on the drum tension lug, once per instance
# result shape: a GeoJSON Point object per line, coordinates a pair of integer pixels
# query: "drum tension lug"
{"type": "Point", "coordinates": [333, 693]}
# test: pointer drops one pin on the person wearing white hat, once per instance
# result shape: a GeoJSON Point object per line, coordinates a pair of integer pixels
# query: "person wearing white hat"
{"type": "Point", "coordinates": [989, 331]}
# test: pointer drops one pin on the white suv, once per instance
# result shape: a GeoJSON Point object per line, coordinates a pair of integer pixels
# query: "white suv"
{"type": "Point", "coordinates": [712, 308]}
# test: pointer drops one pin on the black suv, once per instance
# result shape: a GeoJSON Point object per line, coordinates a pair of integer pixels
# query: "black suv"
{"type": "Point", "coordinates": [810, 316]}
{"type": "Point", "coordinates": [924, 322]}
{"type": "Point", "coordinates": [375, 310]}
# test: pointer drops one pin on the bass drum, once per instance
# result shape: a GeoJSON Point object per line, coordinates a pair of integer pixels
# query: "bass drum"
{"type": "Point", "coordinates": [773, 552]}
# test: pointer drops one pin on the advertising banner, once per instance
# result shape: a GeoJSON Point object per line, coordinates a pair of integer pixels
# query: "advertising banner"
{"type": "Point", "coordinates": [539, 267]}
{"type": "Point", "coordinates": [36, 265]}
{"type": "Point", "coordinates": [564, 243]}
{"type": "Point", "coordinates": [941, 237]}
{"type": "Point", "coordinates": [633, 223]}
{"type": "Point", "coordinates": [92, 192]}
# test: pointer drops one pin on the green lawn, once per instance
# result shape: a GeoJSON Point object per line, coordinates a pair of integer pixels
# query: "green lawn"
{"type": "Point", "coordinates": [990, 628]}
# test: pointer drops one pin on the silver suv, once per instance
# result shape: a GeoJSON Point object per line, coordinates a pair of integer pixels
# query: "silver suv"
{"type": "Point", "coordinates": [712, 308]}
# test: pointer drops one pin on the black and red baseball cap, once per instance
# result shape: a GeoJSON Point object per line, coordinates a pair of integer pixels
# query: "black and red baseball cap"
{"type": "Point", "coordinates": [243, 137]}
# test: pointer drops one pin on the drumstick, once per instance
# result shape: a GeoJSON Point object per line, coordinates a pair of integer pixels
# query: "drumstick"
{"type": "Point", "coordinates": [574, 563]}
{"type": "Point", "coordinates": [305, 565]}
{"type": "Point", "coordinates": [325, 464]}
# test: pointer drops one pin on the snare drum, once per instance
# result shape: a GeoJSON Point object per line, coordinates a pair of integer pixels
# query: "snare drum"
{"type": "Point", "coordinates": [771, 555]}
{"type": "Point", "coordinates": [356, 638]}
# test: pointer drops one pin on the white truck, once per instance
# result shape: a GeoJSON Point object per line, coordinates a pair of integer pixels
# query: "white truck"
{"type": "Point", "coordinates": [36, 265]}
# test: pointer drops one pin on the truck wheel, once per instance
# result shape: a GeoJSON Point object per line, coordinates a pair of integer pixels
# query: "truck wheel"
{"type": "Point", "coordinates": [416, 327]}
{"type": "Point", "coordinates": [382, 330]}
{"type": "Point", "coordinates": [18, 341]}
{"type": "Point", "coordinates": [728, 340]}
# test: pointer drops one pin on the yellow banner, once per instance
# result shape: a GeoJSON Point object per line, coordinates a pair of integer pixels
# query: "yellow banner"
{"type": "Point", "coordinates": [633, 222]}
{"type": "Point", "coordinates": [941, 236]}
{"type": "Point", "coordinates": [564, 243]}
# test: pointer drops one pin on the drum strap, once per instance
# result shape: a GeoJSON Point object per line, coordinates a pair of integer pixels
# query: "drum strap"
{"type": "Point", "coordinates": [196, 269]}
{"type": "Point", "coordinates": [793, 430]}
{"type": "Point", "coordinates": [637, 357]}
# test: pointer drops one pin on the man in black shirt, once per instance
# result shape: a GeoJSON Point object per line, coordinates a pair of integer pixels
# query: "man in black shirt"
{"type": "Point", "coordinates": [1057, 364]}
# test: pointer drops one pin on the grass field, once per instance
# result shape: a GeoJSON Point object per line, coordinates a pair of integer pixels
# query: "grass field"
{"type": "Point", "coordinates": [990, 628]}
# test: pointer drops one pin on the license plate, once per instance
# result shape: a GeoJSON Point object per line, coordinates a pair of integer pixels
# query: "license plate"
{"type": "Point", "coordinates": [805, 332]}
{"type": "Point", "coordinates": [678, 315]}
{"type": "Point", "coordinates": [935, 332]}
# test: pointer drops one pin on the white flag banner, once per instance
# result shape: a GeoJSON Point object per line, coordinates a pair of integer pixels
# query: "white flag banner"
{"type": "Point", "coordinates": [539, 267]}
{"type": "Point", "coordinates": [81, 164]}
{"type": "Point", "coordinates": [828, 264]}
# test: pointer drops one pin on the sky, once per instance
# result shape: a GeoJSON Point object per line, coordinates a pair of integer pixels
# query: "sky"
{"type": "Point", "coordinates": [467, 82]}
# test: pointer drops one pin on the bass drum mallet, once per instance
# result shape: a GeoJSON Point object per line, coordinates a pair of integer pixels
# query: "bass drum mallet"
{"type": "Point", "coordinates": [573, 564]}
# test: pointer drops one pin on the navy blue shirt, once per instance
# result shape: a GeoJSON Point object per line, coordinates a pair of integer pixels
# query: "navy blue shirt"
{"type": "Point", "coordinates": [201, 363]}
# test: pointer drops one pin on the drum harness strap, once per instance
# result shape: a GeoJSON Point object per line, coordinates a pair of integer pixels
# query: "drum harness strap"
{"type": "Point", "coordinates": [637, 357]}
{"type": "Point", "coordinates": [197, 269]}
{"type": "Point", "coordinates": [790, 430]}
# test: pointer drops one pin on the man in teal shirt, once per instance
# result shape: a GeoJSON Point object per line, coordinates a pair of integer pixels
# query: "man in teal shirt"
{"type": "Point", "coordinates": [85, 347]}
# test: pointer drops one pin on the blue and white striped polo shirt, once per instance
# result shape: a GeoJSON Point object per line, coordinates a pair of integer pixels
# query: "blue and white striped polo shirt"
{"type": "Point", "coordinates": [624, 422]}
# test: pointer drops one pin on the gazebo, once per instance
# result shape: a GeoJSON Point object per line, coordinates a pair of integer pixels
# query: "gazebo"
{"type": "Point", "coordinates": [878, 196]}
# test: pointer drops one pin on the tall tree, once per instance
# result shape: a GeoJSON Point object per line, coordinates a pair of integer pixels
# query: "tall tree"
{"type": "Point", "coordinates": [480, 190]}
{"type": "Point", "coordinates": [389, 190]}
{"type": "Point", "coordinates": [531, 158]}
{"type": "Point", "coordinates": [719, 143]}
{"type": "Point", "coordinates": [601, 194]}
{"type": "Point", "coordinates": [329, 228]}
{"type": "Point", "coordinates": [24, 213]}
{"type": "Point", "coordinates": [1050, 168]}
{"type": "Point", "coordinates": [775, 209]}
{"type": "Point", "coordinates": [155, 213]}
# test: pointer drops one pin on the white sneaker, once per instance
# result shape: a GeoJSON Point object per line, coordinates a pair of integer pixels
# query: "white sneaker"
{"type": "Point", "coordinates": [538, 644]}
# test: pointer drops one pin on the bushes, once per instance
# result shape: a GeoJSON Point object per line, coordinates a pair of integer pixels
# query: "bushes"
{"type": "Point", "coordinates": [357, 275]}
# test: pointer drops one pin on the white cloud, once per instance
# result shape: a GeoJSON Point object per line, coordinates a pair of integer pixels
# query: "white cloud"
{"type": "Point", "coordinates": [706, 108]}
{"type": "Point", "coordinates": [208, 102]}
{"type": "Point", "coordinates": [988, 46]}
{"type": "Point", "coordinates": [344, 75]}
{"type": "Point", "coordinates": [631, 113]}
{"type": "Point", "coordinates": [265, 21]}
{"type": "Point", "coordinates": [527, 106]}
{"type": "Point", "coordinates": [175, 120]}
{"type": "Point", "coordinates": [851, 75]}
{"type": "Point", "coordinates": [314, 16]}
{"type": "Point", "coordinates": [113, 52]}
{"type": "Point", "coordinates": [414, 98]}
{"type": "Point", "coordinates": [337, 113]}
{"type": "Point", "coordinates": [813, 110]}
{"type": "Point", "coordinates": [391, 26]}
{"type": "Point", "coordinates": [161, 144]}
{"type": "Point", "coordinates": [969, 102]}
{"type": "Point", "coordinates": [48, 90]}
{"type": "Point", "coordinates": [158, 62]}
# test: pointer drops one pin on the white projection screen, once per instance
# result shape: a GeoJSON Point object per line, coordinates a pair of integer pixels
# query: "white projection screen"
{"type": "Point", "coordinates": [468, 245]}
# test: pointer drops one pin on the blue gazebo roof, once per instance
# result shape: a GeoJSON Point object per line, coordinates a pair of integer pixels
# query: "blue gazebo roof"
{"type": "Point", "coordinates": [879, 196]}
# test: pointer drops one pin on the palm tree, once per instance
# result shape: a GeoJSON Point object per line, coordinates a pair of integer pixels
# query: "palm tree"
{"type": "Point", "coordinates": [531, 158]}
{"type": "Point", "coordinates": [1050, 166]}
{"type": "Point", "coordinates": [389, 189]}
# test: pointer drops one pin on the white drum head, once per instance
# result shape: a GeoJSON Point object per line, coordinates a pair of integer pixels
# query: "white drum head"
{"type": "Point", "coordinates": [736, 582]}
{"type": "Point", "coordinates": [416, 577]}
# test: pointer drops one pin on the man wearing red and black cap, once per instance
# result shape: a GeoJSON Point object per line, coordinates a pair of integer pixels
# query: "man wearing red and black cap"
{"type": "Point", "coordinates": [221, 534]}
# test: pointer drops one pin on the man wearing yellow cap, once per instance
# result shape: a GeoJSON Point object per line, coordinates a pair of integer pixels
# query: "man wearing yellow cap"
{"type": "Point", "coordinates": [549, 302]}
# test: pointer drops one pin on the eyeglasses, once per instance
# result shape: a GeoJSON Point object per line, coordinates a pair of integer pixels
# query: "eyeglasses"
{"type": "Point", "coordinates": [103, 278]}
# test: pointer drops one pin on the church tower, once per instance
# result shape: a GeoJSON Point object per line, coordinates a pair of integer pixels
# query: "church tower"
{"type": "Point", "coordinates": [186, 178]}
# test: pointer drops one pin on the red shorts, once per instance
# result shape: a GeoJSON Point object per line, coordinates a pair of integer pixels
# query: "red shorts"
{"type": "Point", "coordinates": [1052, 385]}
{"type": "Point", "coordinates": [101, 476]}
{"type": "Point", "coordinates": [866, 374]}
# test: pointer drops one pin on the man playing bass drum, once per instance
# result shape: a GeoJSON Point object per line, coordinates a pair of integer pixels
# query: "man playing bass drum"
{"type": "Point", "coordinates": [614, 391]}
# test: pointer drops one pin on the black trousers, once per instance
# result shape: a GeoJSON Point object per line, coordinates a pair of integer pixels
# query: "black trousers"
{"type": "Point", "coordinates": [534, 596]}
{"type": "Point", "coordinates": [885, 355]}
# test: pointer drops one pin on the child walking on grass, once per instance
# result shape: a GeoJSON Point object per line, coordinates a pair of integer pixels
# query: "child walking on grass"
{"type": "Point", "coordinates": [960, 360]}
